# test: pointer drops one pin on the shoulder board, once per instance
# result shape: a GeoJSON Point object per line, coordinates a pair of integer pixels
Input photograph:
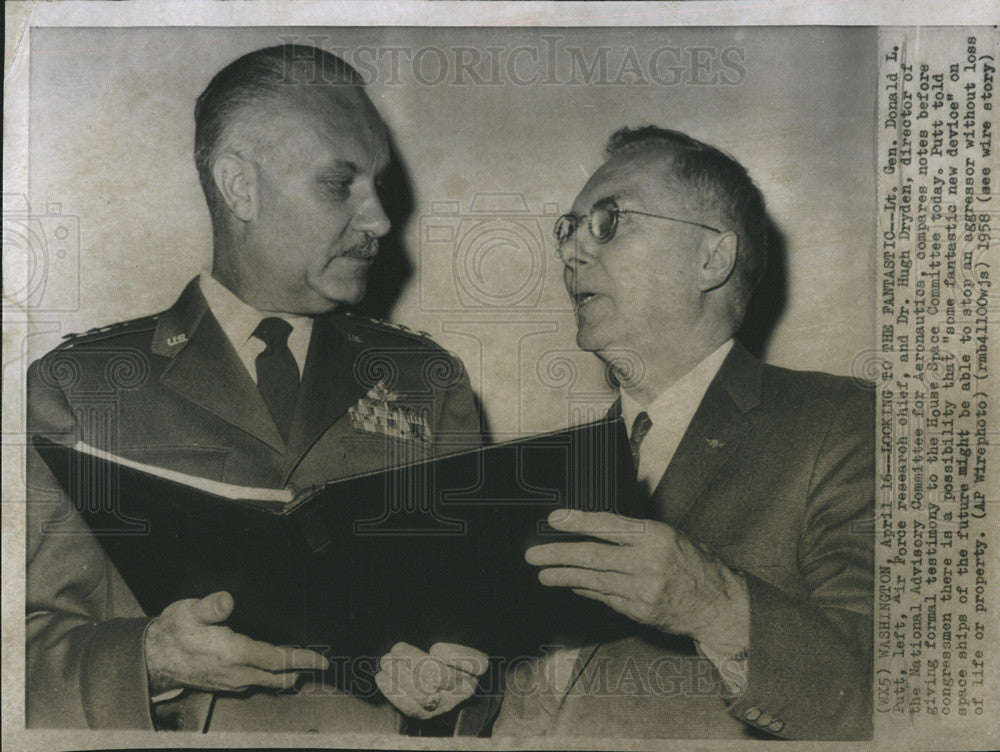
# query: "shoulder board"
{"type": "Point", "coordinates": [390, 326]}
{"type": "Point", "coordinates": [98, 333]}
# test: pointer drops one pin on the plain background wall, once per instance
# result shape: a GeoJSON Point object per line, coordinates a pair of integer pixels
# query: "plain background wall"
{"type": "Point", "coordinates": [111, 136]}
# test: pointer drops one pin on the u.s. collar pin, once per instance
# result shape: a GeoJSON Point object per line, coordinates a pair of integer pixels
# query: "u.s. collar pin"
{"type": "Point", "coordinates": [177, 339]}
{"type": "Point", "coordinates": [714, 444]}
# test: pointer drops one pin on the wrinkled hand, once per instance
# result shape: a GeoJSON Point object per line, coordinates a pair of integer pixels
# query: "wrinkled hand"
{"type": "Point", "coordinates": [423, 685]}
{"type": "Point", "coordinates": [650, 572]}
{"type": "Point", "coordinates": [187, 646]}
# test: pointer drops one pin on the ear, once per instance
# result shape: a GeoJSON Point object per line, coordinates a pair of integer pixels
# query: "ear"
{"type": "Point", "coordinates": [236, 180]}
{"type": "Point", "coordinates": [717, 260]}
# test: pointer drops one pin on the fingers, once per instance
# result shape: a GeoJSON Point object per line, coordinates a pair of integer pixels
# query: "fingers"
{"type": "Point", "coordinates": [212, 609]}
{"type": "Point", "coordinates": [461, 657]}
{"type": "Point", "coordinates": [272, 658]}
{"type": "Point", "coordinates": [258, 664]}
{"type": "Point", "coordinates": [423, 675]}
{"type": "Point", "coordinates": [186, 646]}
{"type": "Point", "coordinates": [407, 703]}
{"type": "Point", "coordinates": [613, 528]}
{"type": "Point", "coordinates": [245, 678]}
{"type": "Point", "coordinates": [619, 604]}
{"type": "Point", "coordinates": [612, 583]}
{"type": "Point", "coordinates": [406, 650]}
{"type": "Point", "coordinates": [599, 556]}
{"type": "Point", "coordinates": [301, 659]}
{"type": "Point", "coordinates": [421, 685]}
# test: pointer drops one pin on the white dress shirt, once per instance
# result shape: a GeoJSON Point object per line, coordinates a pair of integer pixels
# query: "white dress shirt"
{"type": "Point", "coordinates": [239, 320]}
{"type": "Point", "coordinates": [670, 413]}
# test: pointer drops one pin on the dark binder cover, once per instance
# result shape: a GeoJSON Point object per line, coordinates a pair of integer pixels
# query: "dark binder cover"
{"type": "Point", "coordinates": [426, 552]}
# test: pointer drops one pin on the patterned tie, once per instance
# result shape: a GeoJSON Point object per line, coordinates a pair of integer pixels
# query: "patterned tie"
{"type": "Point", "coordinates": [277, 373]}
{"type": "Point", "coordinates": [640, 427]}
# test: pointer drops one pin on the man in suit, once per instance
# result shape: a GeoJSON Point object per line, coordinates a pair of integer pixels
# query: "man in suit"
{"type": "Point", "coordinates": [256, 376]}
{"type": "Point", "coordinates": [750, 586]}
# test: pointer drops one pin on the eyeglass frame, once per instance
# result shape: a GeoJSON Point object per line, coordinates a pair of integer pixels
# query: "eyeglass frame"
{"type": "Point", "coordinates": [614, 211]}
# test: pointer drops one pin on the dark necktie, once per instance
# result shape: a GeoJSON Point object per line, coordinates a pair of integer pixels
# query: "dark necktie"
{"type": "Point", "coordinates": [640, 427]}
{"type": "Point", "coordinates": [277, 373]}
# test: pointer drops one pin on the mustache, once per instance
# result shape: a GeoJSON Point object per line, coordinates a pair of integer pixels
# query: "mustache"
{"type": "Point", "coordinates": [366, 249]}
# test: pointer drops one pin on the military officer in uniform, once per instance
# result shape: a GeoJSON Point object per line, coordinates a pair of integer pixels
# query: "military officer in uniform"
{"type": "Point", "coordinates": [256, 376]}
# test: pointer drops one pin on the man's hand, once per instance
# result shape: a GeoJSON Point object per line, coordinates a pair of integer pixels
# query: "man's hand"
{"type": "Point", "coordinates": [423, 685]}
{"type": "Point", "coordinates": [650, 572]}
{"type": "Point", "coordinates": [186, 646]}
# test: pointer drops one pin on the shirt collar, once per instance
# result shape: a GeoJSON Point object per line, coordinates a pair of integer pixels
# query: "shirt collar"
{"type": "Point", "coordinates": [682, 398]}
{"type": "Point", "coordinates": [238, 319]}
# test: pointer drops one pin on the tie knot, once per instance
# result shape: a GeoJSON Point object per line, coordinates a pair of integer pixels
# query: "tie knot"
{"type": "Point", "coordinates": [273, 331]}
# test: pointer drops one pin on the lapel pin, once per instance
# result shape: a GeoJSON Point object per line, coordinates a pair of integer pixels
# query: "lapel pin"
{"type": "Point", "coordinates": [177, 339]}
{"type": "Point", "coordinates": [714, 444]}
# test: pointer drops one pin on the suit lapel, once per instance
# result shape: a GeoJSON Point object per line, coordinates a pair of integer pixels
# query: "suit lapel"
{"type": "Point", "coordinates": [206, 370]}
{"type": "Point", "coordinates": [715, 432]}
{"type": "Point", "coordinates": [328, 387]}
{"type": "Point", "coordinates": [719, 425]}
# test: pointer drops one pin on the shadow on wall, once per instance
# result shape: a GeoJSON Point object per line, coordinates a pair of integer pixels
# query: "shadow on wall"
{"type": "Point", "coordinates": [767, 305]}
{"type": "Point", "coordinates": [392, 269]}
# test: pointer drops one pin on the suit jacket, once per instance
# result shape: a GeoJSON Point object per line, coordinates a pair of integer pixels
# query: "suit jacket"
{"type": "Point", "coordinates": [775, 474]}
{"type": "Point", "coordinates": [169, 390]}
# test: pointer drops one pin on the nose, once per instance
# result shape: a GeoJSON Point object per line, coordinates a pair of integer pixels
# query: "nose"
{"type": "Point", "coordinates": [573, 254]}
{"type": "Point", "coordinates": [371, 216]}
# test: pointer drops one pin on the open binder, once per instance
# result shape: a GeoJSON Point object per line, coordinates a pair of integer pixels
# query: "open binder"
{"type": "Point", "coordinates": [425, 552]}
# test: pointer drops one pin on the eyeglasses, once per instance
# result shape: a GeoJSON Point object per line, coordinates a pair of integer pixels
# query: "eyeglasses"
{"type": "Point", "coordinates": [602, 221]}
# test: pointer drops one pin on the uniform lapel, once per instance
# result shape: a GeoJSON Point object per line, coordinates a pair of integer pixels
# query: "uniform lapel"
{"type": "Point", "coordinates": [715, 432]}
{"type": "Point", "coordinates": [206, 370]}
{"type": "Point", "coordinates": [328, 388]}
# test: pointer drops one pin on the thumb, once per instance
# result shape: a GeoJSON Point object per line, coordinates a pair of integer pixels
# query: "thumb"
{"type": "Point", "coordinates": [214, 608]}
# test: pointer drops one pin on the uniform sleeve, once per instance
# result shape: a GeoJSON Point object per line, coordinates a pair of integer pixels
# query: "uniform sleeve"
{"type": "Point", "coordinates": [810, 659]}
{"type": "Point", "coordinates": [84, 630]}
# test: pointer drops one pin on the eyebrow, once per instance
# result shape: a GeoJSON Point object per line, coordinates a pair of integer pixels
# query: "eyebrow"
{"type": "Point", "coordinates": [345, 164]}
{"type": "Point", "coordinates": [355, 169]}
{"type": "Point", "coordinates": [609, 197]}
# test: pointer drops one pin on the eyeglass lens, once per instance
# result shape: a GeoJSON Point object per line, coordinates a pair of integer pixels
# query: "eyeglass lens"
{"type": "Point", "coordinates": [565, 226]}
{"type": "Point", "coordinates": [603, 221]}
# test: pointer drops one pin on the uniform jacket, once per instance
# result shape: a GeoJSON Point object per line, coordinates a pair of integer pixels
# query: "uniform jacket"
{"type": "Point", "coordinates": [775, 474]}
{"type": "Point", "coordinates": [169, 390]}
